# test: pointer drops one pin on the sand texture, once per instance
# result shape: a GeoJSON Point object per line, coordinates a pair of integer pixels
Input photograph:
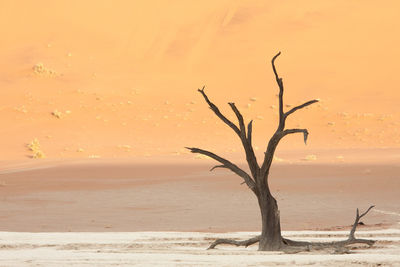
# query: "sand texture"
{"type": "Point", "coordinates": [183, 249]}
{"type": "Point", "coordinates": [119, 79]}
{"type": "Point", "coordinates": [129, 196]}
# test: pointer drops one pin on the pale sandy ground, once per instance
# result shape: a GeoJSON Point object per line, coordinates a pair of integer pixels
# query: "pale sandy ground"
{"type": "Point", "coordinates": [183, 249]}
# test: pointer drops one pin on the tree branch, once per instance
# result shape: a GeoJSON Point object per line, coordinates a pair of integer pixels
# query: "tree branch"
{"type": "Point", "coordinates": [240, 119]}
{"type": "Point", "coordinates": [292, 131]}
{"type": "Point", "coordinates": [250, 156]}
{"type": "Point", "coordinates": [249, 132]}
{"type": "Point", "coordinates": [269, 154]}
{"type": "Point", "coordinates": [281, 132]}
{"type": "Point", "coordinates": [244, 243]}
{"type": "Point", "coordinates": [218, 113]}
{"type": "Point", "coordinates": [217, 166]}
{"type": "Point", "coordinates": [358, 217]}
{"type": "Point", "coordinates": [273, 143]}
{"type": "Point", "coordinates": [280, 84]}
{"type": "Point", "coordinates": [282, 114]}
{"type": "Point", "coordinates": [227, 164]}
{"type": "Point", "coordinates": [300, 107]}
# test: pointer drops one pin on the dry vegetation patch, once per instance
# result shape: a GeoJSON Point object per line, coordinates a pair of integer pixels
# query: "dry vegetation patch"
{"type": "Point", "coordinates": [34, 146]}
{"type": "Point", "coordinates": [41, 70]}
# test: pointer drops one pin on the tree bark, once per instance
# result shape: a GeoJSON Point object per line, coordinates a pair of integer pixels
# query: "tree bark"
{"type": "Point", "coordinates": [271, 237]}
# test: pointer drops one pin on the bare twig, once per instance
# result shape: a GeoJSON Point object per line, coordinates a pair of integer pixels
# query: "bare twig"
{"type": "Point", "coordinates": [292, 131]}
{"type": "Point", "coordinates": [280, 84]}
{"type": "Point", "coordinates": [300, 107]}
{"type": "Point", "coordinates": [217, 166]}
{"type": "Point", "coordinates": [218, 113]}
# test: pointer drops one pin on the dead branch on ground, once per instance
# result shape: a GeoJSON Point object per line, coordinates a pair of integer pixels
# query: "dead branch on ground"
{"type": "Point", "coordinates": [305, 245]}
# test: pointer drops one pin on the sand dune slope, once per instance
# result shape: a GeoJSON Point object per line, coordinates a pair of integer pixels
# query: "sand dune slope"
{"type": "Point", "coordinates": [119, 78]}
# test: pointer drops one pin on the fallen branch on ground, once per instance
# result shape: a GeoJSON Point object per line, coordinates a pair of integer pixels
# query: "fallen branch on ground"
{"type": "Point", "coordinates": [305, 245]}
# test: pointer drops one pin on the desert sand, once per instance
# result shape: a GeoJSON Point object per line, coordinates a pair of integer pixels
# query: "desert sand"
{"type": "Point", "coordinates": [106, 195]}
{"type": "Point", "coordinates": [98, 100]}
{"type": "Point", "coordinates": [183, 249]}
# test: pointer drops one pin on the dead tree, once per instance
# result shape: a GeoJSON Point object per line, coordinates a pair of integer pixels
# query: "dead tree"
{"type": "Point", "coordinates": [257, 181]}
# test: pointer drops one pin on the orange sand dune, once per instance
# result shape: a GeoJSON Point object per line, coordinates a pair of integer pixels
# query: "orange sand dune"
{"type": "Point", "coordinates": [119, 78]}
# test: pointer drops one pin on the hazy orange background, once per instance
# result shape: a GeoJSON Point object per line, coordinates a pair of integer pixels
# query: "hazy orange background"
{"type": "Point", "coordinates": [127, 74]}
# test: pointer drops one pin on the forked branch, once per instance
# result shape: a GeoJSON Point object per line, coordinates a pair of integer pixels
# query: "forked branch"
{"type": "Point", "coordinates": [240, 119]}
{"type": "Point", "coordinates": [241, 131]}
{"type": "Point", "coordinates": [246, 141]}
{"type": "Point", "coordinates": [281, 132]}
{"type": "Point", "coordinates": [282, 114]}
{"type": "Point", "coordinates": [358, 217]}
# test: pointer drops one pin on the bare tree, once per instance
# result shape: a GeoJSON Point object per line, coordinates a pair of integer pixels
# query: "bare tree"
{"type": "Point", "coordinates": [257, 181]}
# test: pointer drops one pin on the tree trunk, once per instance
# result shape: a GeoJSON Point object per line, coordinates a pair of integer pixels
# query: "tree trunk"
{"type": "Point", "coordinates": [271, 238]}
